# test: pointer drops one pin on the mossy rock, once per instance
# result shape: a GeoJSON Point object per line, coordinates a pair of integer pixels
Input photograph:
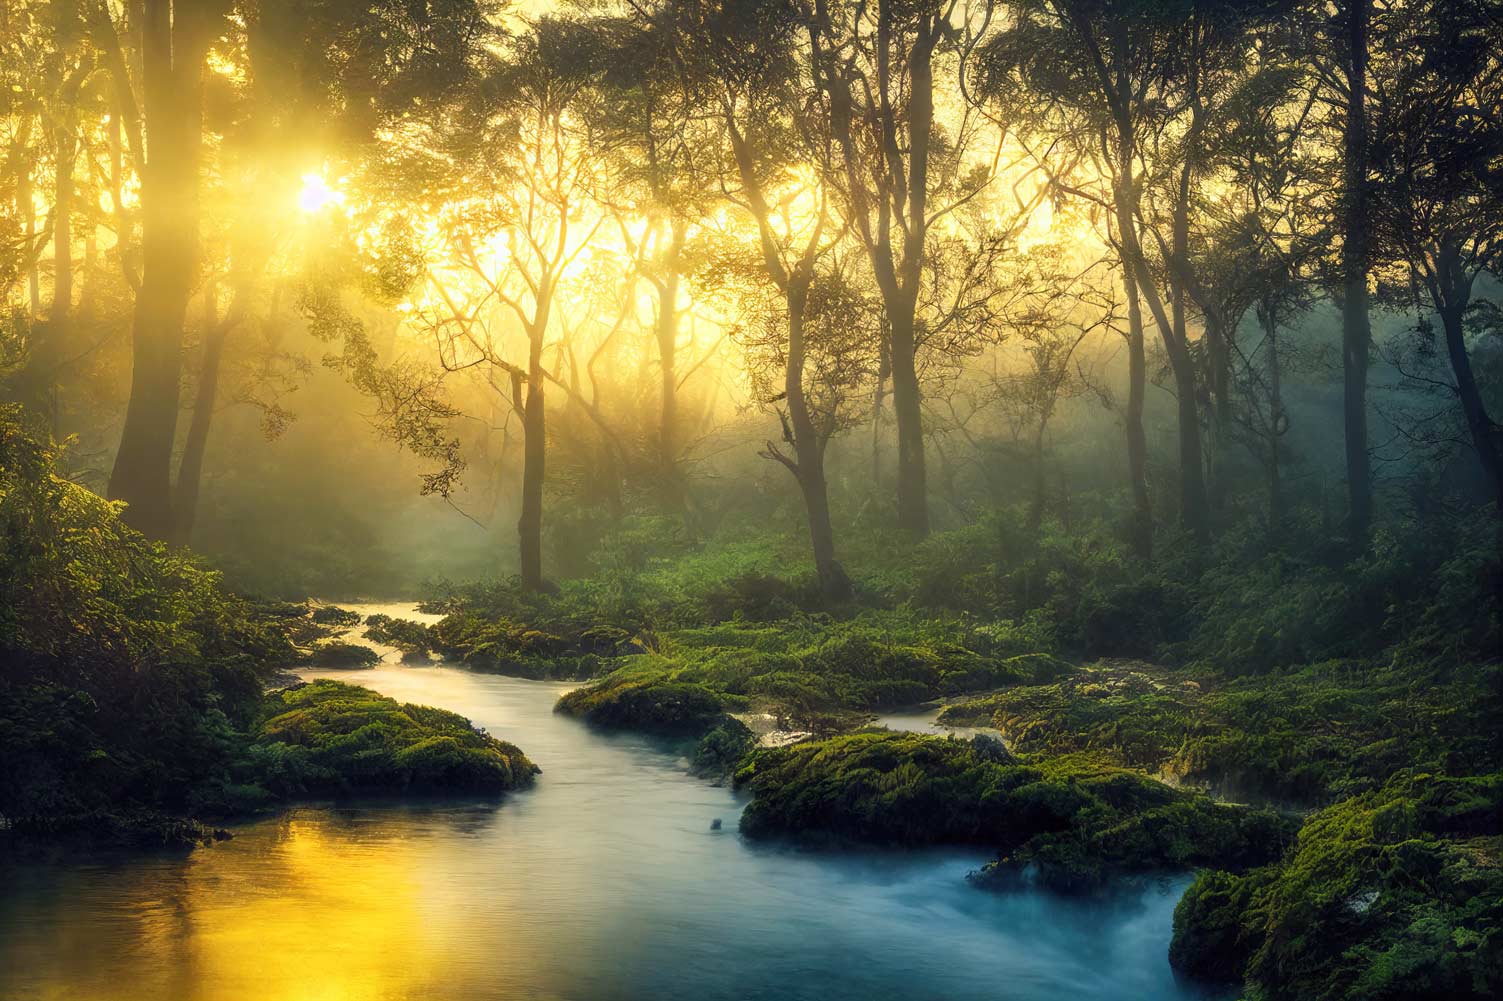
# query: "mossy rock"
{"type": "Point", "coordinates": [1396, 893]}
{"type": "Point", "coordinates": [327, 736]}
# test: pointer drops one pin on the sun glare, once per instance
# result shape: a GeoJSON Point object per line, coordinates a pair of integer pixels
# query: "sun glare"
{"type": "Point", "coordinates": [317, 194]}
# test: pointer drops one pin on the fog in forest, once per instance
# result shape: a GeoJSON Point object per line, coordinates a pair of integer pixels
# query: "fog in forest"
{"type": "Point", "coordinates": [1055, 440]}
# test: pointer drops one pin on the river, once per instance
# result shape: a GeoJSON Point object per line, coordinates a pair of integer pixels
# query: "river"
{"type": "Point", "coordinates": [605, 881]}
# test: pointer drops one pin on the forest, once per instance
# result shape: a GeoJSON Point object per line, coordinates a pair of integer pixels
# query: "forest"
{"type": "Point", "coordinates": [1063, 435]}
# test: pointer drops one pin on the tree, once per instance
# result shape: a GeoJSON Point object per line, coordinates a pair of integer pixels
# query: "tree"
{"type": "Point", "coordinates": [175, 41]}
{"type": "Point", "coordinates": [1048, 309]}
{"type": "Point", "coordinates": [1437, 205]}
{"type": "Point", "coordinates": [746, 71]}
{"type": "Point", "coordinates": [874, 67]}
{"type": "Point", "coordinates": [643, 121]}
{"type": "Point", "coordinates": [1137, 88]}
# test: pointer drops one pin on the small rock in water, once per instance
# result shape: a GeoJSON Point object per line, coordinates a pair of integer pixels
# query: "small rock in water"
{"type": "Point", "coordinates": [715, 824]}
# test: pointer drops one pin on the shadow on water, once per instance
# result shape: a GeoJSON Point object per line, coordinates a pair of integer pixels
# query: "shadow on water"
{"type": "Point", "coordinates": [604, 881]}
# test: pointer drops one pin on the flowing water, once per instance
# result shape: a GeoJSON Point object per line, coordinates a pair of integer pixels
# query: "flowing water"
{"type": "Point", "coordinates": [605, 881]}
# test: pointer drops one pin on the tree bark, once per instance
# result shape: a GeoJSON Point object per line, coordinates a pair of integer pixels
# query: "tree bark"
{"type": "Point", "coordinates": [1356, 334]}
{"type": "Point", "coordinates": [27, 210]}
{"type": "Point", "coordinates": [191, 464]}
{"type": "Point", "coordinates": [1218, 379]}
{"type": "Point", "coordinates": [1137, 442]}
{"type": "Point", "coordinates": [884, 352]}
{"type": "Point", "coordinates": [1484, 432]}
{"type": "Point", "coordinates": [808, 467]}
{"type": "Point", "coordinates": [1192, 480]}
{"type": "Point", "coordinates": [1193, 499]}
{"type": "Point", "coordinates": [667, 338]}
{"type": "Point", "coordinates": [1276, 422]}
{"type": "Point", "coordinates": [175, 40]}
{"type": "Point", "coordinates": [898, 192]}
{"type": "Point", "coordinates": [913, 489]}
{"type": "Point", "coordinates": [534, 455]}
{"type": "Point", "coordinates": [907, 408]}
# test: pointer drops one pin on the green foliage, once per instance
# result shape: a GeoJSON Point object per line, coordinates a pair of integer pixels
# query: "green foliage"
{"type": "Point", "coordinates": [132, 685]}
{"type": "Point", "coordinates": [338, 653]}
{"type": "Point", "coordinates": [401, 633]}
{"type": "Point", "coordinates": [125, 670]}
{"type": "Point", "coordinates": [333, 615]}
{"type": "Point", "coordinates": [720, 751]}
{"type": "Point", "coordinates": [1396, 893]}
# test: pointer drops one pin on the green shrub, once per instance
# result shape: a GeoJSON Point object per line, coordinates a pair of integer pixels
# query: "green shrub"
{"type": "Point", "coordinates": [401, 633]}
{"type": "Point", "coordinates": [338, 653]}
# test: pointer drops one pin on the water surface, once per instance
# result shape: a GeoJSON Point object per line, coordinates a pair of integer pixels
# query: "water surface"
{"type": "Point", "coordinates": [605, 881]}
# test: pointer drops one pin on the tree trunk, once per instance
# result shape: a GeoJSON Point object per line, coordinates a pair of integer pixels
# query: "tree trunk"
{"type": "Point", "coordinates": [1192, 480]}
{"type": "Point", "coordinates": [884, 352]}
{"type": "Point", "coordinates": [1485, 434]}
{"type": "Point", "coordinates": [191, 464]}
{"type": "Point", "coordinates": [173, 52]}
{"type": "Point", "coordinates": [26, 207]}
{"type": "Point", "coordinates": [808, 467]}
{"type": "Point", "coordinates": [913, 492]}
{"type": "Point", "coordinates": [534, 453]}
{"type": "Point", "coordinates": [1137, 442]}
{"type": "Point", "coordinates": [1276, 423]}
{"type": "Point", "coordinates": [913, 489]}
{"type": "Point", "coordinates": [59, 320]}
{"type": "Point", "coordinates": [1356, 333]}
{"type": "Point", "coordinates": [667, 338]}
{"type": "Point", "coordinates": [1194, 503]}
{"type": "Point", "coordinates": [1218, 378]}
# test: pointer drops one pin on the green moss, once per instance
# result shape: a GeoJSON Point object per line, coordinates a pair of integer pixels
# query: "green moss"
{"type": "Point", "coordinates": [1071, 823]}
{"type": "Point", "coordinates": [1138, 718]}
{"type": "Point", "coordinates": [1303, 737]}
{"type": "Point", "coordinates": [1396, 893]}
{"type": "Point", "coordinates": [524, 650]}
{"type": "Point", "coordinates": [817, 672]}
{"type": "Point", "coordinates": [327, 736]}
{"type": "Point", "coordinates": [653, 705]}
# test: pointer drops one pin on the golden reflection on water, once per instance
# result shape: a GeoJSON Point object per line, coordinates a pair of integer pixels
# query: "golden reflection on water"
{"type": "Point", "coordinates": [312, 906]}
{"type": "Point", "coordinates": [340, 921]}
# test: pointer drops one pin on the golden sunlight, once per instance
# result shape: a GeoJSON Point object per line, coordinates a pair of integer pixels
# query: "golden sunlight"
{"type": "Point", "coordinates": [317, 194]}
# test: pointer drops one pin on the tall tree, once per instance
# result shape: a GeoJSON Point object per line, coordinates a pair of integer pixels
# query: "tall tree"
{"type": "Point", "coordinates": [1437, 209]}
{"type": "Point", "coordinates": [1356, 326]}
{"type": "Point", "coordinates": [875, 68]}
{"type": "Point", "coordinates": [643, 121]}
{"type": "Point", "coordinates": [176, 36]}
{"type": "Point", "coordinates": [747, 71]}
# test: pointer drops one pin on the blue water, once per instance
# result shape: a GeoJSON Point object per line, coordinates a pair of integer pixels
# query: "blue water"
{"type": "Point", "coordinates": [605, 881]}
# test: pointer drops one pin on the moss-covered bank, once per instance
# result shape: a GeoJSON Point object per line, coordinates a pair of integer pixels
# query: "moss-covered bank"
{"type": "Point", "coordinates": [1071, 823]}
{"type": "Point", "coordinates": [1395, 893]}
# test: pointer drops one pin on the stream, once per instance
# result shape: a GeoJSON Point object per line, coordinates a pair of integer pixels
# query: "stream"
{"type": "Point", "coordinates": [605, 881]}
